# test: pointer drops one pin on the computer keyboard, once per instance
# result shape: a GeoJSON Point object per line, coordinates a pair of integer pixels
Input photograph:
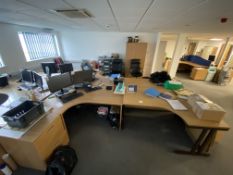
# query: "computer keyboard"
{"type": "Point", "coordinates": [71, 96]}
{"type": "Point", "coordinates": [92, 89]}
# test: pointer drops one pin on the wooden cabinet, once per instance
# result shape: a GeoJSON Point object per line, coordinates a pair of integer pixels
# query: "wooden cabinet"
{"type": "Point", "coordinates": [34, 153]}
{"type": "Point", "coordinates": [52, 137]}
{"type": "Point", "coordinates": [135, 50]}
{"type": "Point", "coordinates": [199, 74]}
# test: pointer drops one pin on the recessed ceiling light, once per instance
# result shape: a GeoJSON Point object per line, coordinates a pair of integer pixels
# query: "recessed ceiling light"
{"type": "Point", "coordinates": [216, 39]}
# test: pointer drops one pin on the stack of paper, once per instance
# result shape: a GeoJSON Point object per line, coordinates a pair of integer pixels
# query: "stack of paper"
{"type": "Point", "coordinates": [176, 104]}
{"type": "Point", "coordinates": [132, 88]}
{"type": "Point", "coordinates": [183, 93]}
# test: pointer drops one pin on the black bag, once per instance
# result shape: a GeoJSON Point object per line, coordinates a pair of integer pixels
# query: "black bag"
{"type": "Point", "coordinates": [159, 77]}
{"type": "Point", "coordinates": [62, 161]}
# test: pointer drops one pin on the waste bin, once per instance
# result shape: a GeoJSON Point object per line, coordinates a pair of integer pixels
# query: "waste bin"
{"type": "Point", "coordinates": [211, 72]}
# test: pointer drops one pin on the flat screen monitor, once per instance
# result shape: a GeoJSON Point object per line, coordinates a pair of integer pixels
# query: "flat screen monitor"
{"type": "Point", "coordinates": [49, 68]}
{"type": "Point", "coordinates": [82, 76]}
{"type": "Point", "coordinates": [66, 67]}
{"type": "Point", "coordinates": [211, 57]}
{"type": "Point", "coordinates": [27, 76]}
{"type": "Point", "coordinates": [38, 79]}
{"type": "Point", "coordinates": [58, 82]}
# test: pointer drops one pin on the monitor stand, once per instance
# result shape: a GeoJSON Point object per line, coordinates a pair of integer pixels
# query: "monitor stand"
{"type": "Point", "coordinates": [78, 85]}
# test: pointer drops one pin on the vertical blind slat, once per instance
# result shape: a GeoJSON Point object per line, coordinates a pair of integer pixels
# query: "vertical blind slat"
{"type": "Point", "coordinates": [40, 45]}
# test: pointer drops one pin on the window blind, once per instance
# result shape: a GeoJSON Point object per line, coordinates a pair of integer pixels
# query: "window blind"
{"type": "Point", "coordinates": [1, 61]}
{"type": "Point", "coordinates": [39, 45]}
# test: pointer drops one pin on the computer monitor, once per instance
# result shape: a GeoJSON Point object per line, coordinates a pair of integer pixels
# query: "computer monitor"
{"type": "Point", "coordinates": [82, 76]}
{"type": "Point", "coordinates": [66, 67]}
{"type": "Point", "coordinates": [38, 79]}
{"type": "Point", "coordinates": [58, 82]}
{"type": "Point", "coordinates": [49, 68]}
{"type": "Point", "coordinates": [27, 76]}
{"type": "Point", "coordinates": [211, 57]}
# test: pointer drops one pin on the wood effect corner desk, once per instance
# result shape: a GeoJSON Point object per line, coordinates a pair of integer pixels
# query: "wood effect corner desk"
{"type": "Point", "coordinates": [33, 149]}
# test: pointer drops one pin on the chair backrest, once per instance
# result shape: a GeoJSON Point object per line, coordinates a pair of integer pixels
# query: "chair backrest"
{"type": "Point", "coordinates": [117, 66]}
{"type": "Point", "coordinates": [135, 65]}
{"type": "Point", "coordinates": [135, 69]}
{"type": "Point", "coordinates": [58, 60]}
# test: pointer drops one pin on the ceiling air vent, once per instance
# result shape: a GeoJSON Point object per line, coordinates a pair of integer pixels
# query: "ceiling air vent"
{"type": "Point", "coordinates": [75, 13]}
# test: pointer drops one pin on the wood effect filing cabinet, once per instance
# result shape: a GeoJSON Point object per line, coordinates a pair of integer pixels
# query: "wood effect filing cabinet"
{"type": "Point", "coordinates": [33, 152]}
{"type": "Point", "coordinates": [135, 50]}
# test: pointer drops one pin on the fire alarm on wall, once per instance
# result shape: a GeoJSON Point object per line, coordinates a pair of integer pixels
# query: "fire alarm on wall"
{"type": "Point", "coordinates": [224, 20]}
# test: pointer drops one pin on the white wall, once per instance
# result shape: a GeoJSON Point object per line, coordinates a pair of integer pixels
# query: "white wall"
{"type": "Point", "coordinates": [90, 45]}
{"type": "Point", "coordinates": [170, 48]}
{"type": "Point", "coordinates": [202, 44]}
{"type": "Point", "coordinates": [11, 51]}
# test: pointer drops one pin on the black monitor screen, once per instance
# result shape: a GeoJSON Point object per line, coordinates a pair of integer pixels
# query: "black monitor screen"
{"type": "Point", "coordinates": [67, 67]}
{"type": "Point", "coordinates": [27, 76]}
{"type": "Point", "coordinates": [58, 82]}
{"type": "Point", "coordinates": [49, 67]}
{"type": "Point", "coordinates": [83, 76]}
{"type": "Point", "coordinates": [38, 79]}
{"type": "Point", "coordinates": [211, 57]}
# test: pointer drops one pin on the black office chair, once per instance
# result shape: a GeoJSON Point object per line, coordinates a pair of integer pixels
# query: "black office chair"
{"type": "Point", "coordinates": [117, 66]}
{"type": "Point", "coordinates": [135, 68]}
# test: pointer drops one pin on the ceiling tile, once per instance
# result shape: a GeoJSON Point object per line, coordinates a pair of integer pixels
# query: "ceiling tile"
{"type": "Point", "coordinates": [46, 4]}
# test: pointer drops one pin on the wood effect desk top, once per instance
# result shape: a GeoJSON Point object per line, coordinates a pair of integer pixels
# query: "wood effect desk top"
{"type": "Point", "coordinates": [193, 64]}
{"type": "Point", "coordinates": [95, 97]}
{"type": "Point", "coordinates": [140, 100]}
{"type": "Point", "coordinates": [109, 98]}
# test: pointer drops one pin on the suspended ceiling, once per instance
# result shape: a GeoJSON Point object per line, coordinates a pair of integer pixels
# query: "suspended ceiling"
{"type": "Point", "coordinates": [192, 16]}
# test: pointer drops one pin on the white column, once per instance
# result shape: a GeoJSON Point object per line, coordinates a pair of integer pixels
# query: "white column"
{"type": "Point", "coordinates": [177, 54]}
{"type": "Point", "coordinates": [221, 58]}
{"type": "Point", "coordinates": [153, 67]}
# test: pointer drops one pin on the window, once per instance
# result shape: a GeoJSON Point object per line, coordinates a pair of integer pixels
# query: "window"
{"type": "Point", "coordinates": [39, 45]}
{"type": "Point", "coordinates": [1, 62]}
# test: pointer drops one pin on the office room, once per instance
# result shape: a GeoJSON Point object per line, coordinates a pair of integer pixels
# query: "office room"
{"type": "Point", "coordinates": [116, 87]}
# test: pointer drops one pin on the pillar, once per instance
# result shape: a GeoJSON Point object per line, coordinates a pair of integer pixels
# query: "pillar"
{"type": "Point", "coordinates": [177, 54]}
{"type": "Point", "coordinates": [153, 68]}
{"type": "Point", "coordinates": [221, 57]}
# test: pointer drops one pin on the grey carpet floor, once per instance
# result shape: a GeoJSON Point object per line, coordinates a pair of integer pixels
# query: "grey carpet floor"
{"type": "Point", "coordinates": [145, 146]}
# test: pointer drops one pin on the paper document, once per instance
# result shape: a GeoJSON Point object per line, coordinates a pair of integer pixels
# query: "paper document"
{"type": "Point", "coordinates": [176, 104]}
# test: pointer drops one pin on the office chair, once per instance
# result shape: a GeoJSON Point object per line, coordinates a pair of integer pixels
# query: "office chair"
{"type": "Point", "coordinates": [58, 61]}
{"type": "Point", "coordinates": [117, 66]}
{"type": "Point", "coordinates": [135, 68]}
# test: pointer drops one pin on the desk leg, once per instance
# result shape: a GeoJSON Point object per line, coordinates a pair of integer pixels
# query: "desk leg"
{"type": "Point", "coordinates": [202, 145]}
{"type": "Point", "coordinates": [121, 117]}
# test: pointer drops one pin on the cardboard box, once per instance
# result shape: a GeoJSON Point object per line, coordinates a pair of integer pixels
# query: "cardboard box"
{"type": "Point", "coordinates": [199, 73]}
{"type": "Point", "coordinates": [192, 99]}
{"type": "Point", "coordinates": [209, 111]}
